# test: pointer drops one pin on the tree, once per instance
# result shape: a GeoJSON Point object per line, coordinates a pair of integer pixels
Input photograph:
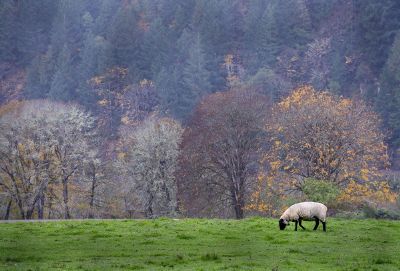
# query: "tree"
{"type": "Point", "coordinates": [315, 64]}
{"type": "Point", "coordinates": [109, 89]}
{"type": "Point", "coordinates": [125, 36]}
{"type": "Point", "coordinates": [324, 137]}
{"type": "Point", "coordinates": [269, 83]}
{"type": "Point", "coordinates": [8, 36]}
{"type": "Point", "coordinates": [195, 76]}
{"type": "Point", "coordinates": [388, 98]}
{"type": "Point", "coordinates": [267, 39]}
{"type": "Point", "coordinates": [152, 154]}
{"type": "Point", "coordinates": [42, 143]}
{"type": "Point", "coordinates": [95, 58]}
{"type": "Point", "coordinates": [63, 85]}
{"type": "Point", "coordinates": [220, 148]}
{"type": "Point", "coordinates": [139, 102]}
{"type": "Point", "coordinates": [24, 29]}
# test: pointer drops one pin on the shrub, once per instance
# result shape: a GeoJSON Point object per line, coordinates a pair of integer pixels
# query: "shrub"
{"type": "Point", "coordinates": [320, 191]}
{"type": "Point", "coordinates": [380, 213]}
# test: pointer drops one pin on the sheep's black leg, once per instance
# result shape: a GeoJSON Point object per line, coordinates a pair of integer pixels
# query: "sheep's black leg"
{"type": "Point", "coordinates": [316, 223]}
{"type": "Point", "coordinates": [295, 225]}
{"type": "Point", "coordinates": [324, 225]}
{"type": "Point", "coordinates": [300, 224]}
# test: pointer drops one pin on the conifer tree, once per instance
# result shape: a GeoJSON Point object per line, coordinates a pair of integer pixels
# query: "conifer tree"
{"type": "Point", "coordinates": [196, 77]}
{"type": "Point", "coordinates": [63, 85]}
{"type": "Point", "coordinates": [7, 35]}
{"type": "Point", "coordinates": [388, 99]}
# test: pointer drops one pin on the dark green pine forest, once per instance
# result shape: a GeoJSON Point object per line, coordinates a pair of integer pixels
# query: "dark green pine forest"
{"type": "Point", "coordinates": [190, 48]}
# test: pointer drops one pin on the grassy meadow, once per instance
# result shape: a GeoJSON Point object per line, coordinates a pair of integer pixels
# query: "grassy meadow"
{"type": "Point", "coordinates": [199, 244]}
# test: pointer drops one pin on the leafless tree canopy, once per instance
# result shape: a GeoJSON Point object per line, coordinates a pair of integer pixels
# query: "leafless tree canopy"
{"type": "Point", "coordinates": [220, 152]}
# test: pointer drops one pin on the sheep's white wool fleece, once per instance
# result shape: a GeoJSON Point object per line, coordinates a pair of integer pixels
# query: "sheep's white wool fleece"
{"type": "Point", "coordinates": [306, 211]}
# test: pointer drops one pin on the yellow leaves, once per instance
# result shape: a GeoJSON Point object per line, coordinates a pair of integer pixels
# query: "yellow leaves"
{"type": "Point", "coordinates": [345, 103]}
{"type": "Point", "coordinates": [21, 147]}
{"type": "Point", "coordinates": [373, 192]}
{"type": "Point", "coordinates": [42, 155]}
{"type": "Point", "coordinates": [327, 137]}
{"type": "Point", "coordinates": [125, 120]}
{"type": "Point", "coordinates": [260, 177]}
{"type": "Point", "coordinates": [298, 96]}
{"type": "Point", "coordinates": [364, 174]}
{"type": "Point", "coordinates": [102, 102]}
{"type": "Point", "coordinates": [228, 59]}
{"type": "Point", "coordinates": [275, 165]}
{"type": "Point", "coordinates": [97, 80]}
{"type": "Point", "coordinates": [121, 155]}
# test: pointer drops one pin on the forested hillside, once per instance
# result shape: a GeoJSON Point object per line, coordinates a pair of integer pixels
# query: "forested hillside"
{"type": "Point", "coordinates": [95, 93]}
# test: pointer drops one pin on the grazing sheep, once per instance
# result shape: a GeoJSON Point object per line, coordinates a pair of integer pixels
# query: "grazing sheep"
{"type": "Point", "coordinates": [304, 211]}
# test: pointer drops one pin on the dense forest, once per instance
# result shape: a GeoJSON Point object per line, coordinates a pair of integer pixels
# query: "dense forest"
{"type": "Point", "coordinates": [146, 108]}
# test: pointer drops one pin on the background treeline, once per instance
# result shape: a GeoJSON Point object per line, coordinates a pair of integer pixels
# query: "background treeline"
{"type": "Point", "coordinates": [141, 67]}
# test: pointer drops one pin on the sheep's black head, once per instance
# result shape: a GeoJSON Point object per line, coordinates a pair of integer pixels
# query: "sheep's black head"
{"type": "Point", "coordinates": [282, 224]}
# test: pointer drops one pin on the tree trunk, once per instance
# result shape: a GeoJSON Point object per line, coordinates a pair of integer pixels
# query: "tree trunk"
{"type": "Point", "coordinates": [41, 207]}
{"type": "Point", "coordinates": [50, 203]}
{"type": "Point", "coordinates": [92, 193]}
{"type": "Point", "coordinates": [237, 199]}
{"type": "Point", "coordinates": [8, 210]}
{"type": "Point", "coordinates": [239, 209]}
{"type": "Point", "coordinates": [65, 198]}
{"type": "Point", "coordinates": [29, 213]}
{"type": "Point", "coordinates": [17, 196]}
{"type": "Point", "coordinates": [149, 209]}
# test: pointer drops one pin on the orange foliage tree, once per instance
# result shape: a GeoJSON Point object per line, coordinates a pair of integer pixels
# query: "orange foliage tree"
{"type": "Point", "coordinates": [321, 136]}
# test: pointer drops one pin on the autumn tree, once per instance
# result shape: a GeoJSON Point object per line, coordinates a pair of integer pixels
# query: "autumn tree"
{"type": "Point", "coordinates": [220, 150]}
{"type": "Point", "coordinates": [324, 137]}
{"type": "Point", "coordinates": [43, 143]}
{"type": "Point", "coordinates": [110, 88]}
{"type": "Point", "coordinates": [150, 163]}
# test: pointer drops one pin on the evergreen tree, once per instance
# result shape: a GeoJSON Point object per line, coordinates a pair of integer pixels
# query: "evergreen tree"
{"type": "Point", "coordinates": [267, 40]}
{"type": "Point", "coordinates": [39, 78]}
{"type": "Point", "coordinates": [63, 85]}
{"type": "Point", "coordinates": [125, 37]}
{"type": "Point", "coordinates": [155, 50]}
{"type": "Point", "coordinates": [293, 22]}
{"type": "Point", "coordinates": [375, 25]}
{"type": "Point", "coordinates": [7, 33]}
{"type": "Point", "coordinates": [95, 57]}
{"type": "Point", "coordinates": [388, 100]}
{"type": "Point", "coordinates": [107, 13]}
{"type": "Point", "coordinates": [196, 77]}
{"type": "Point", "coordinates": [68, 26]}
{"type": "Point", "coordinates": [34, 21]}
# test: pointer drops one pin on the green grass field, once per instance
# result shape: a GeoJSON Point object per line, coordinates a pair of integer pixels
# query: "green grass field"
{"type": "Point", "coordinates": [199, 244]}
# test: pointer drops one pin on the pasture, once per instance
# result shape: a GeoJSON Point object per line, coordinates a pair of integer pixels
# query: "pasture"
{"type": "Point", "coordinates": [199, 244]}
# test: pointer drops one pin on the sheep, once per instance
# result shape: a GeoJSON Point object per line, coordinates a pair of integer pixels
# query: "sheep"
{"type": "Point", "coordinates": [304, 211]}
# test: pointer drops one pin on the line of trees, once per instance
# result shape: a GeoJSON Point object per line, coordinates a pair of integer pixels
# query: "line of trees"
{"type": "Point", "coordinates": [239, 153]}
